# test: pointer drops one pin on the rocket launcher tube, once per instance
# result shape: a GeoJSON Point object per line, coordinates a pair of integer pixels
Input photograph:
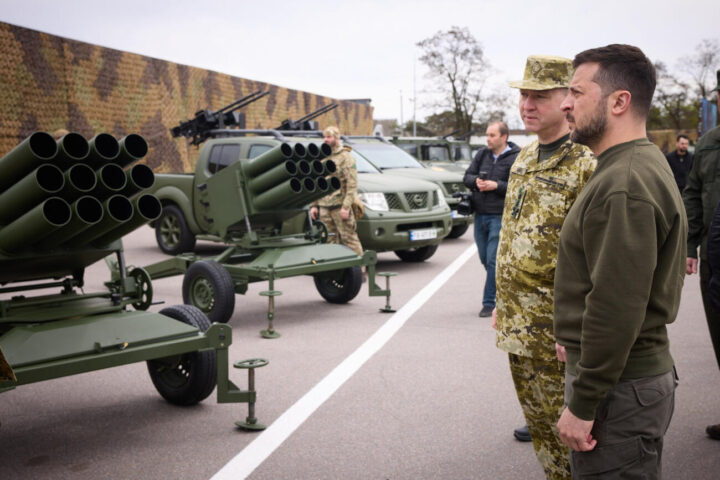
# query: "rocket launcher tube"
{"type": "Point", "coordinates": [272, 177]}
{"type": "Point", "coordinates": [268, 160]}
{"type": "Point", "coordinates": [330, 167]}
{"type": "Point", "coordinates": [147, 208]}
{"type": "Point", "coordinates": [139, 177]}
{"type": "Point", "coordinates": [317, 168]}
{"type": "Point", "coordinates": [104, 148]}
{"type": "Point", "coordinates": [111, 180]}
{"type": "Point", "coordinates": [38, 148]}
{"type": "Point", "coordinates": [309, 192]}
{"type": "Point", "coordinates": [86, 212]}
{"type": "Point", "coordinates": [79, 180]}
{"type": "Point", "coordinates": [279, 195]}
{"type": "Point", "coordinates": [304, 168]}
{"type": "Point", "coordinates": [35, 187]}
{"type": "Point", "coordinates": [313, 150]}
{"type": "Point", "coordinates": [133, 147]}
{"type": "Point", "coordinates": [300, 151]}
{"type": "Point", "coordinates": [71, 149]}
{"type": "Point", "coordinates": [117, 210]}
{"type": "Point", "coordinates": [35, 225]}
{"type": "Point", "coordinates": [325, 151]}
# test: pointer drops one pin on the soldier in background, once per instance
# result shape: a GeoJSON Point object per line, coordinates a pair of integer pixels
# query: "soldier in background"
{"type": "Point", "coordinates": [544, 181]}
{"type": "Point", "coordinates": [335, 210]}
{"type": "Point", "coordinates": [701, 196]}
{"type": "Point", "coordinates": [680, 160]}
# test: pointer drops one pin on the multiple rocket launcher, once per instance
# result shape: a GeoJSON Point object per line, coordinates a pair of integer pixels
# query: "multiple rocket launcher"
{"type": "Point", "coordinates": [73, 193]}
{"type": "Point", "coordinates": [271, 187]}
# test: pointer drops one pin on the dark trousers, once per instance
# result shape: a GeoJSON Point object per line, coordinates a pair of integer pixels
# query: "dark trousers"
{"type": "Point", "coordinates": [711, 314]}
{"type": "Point", "coordinates": [629, 427]}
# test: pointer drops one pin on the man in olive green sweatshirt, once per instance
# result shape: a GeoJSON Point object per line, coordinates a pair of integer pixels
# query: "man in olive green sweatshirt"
{"type": "Point", "coordinates": [620, 268]}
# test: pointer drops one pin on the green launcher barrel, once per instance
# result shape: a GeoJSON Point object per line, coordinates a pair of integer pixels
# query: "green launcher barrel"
{"type": "Point", "coordinates": [65, 203]}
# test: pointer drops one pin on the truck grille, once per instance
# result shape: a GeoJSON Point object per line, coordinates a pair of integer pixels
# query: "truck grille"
{"type": "Point", "coordinates": [393, 201]}
{"type": "Point", "coordinates": [417, 200]}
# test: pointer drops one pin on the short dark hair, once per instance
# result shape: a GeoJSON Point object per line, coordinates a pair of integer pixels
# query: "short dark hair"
{"type": "Point", "coordinates": [682, 135]}
{"type": "Point", "coordinates": [623, 67]}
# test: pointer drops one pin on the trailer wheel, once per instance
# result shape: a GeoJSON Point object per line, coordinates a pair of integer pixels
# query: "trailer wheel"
{"type": "Point", "coordinates": [188, 378]}
{"type": "Point", "coordinates": [339, 287]}
{"type": "Point", "coordinates": [209, 287]}
{"type": "Point", "coordinates": [419, 254]}
{"type": "Point", "coordinates": [458, 231]}
{"type": "Point", "coordinates": [172, 233]}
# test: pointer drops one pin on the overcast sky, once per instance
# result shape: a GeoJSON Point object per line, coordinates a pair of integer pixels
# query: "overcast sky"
{"type": "Point", "coordinates": [366, 49]}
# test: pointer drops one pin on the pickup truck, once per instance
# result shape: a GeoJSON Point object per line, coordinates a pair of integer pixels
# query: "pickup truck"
{"type": "Point", "coordinates": [408, 216]}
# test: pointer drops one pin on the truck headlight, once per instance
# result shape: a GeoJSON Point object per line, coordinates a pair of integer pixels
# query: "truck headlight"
{"type": "Point", "coordinates": [374, 201]}
{"type": "Point", "coordinates": [441, 198]}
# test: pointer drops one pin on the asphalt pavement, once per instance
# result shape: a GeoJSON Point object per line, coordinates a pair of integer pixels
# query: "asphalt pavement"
{"type": "Point", "coordinates": [434, 400]}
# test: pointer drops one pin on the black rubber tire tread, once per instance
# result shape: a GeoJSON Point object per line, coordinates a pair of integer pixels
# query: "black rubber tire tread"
{"type": "Point", "coordinates": [340, 292]}
{"type": "Point", "coordinates": [187, 240]}
{"type": "Point", "coordinates": [222, 285]}
{"type": "Point", "coordinates": [458, 231]}
{"type": "Point", "coordinates": [200, 368]}
{"type": "Point", "coordinates": [418, 254]}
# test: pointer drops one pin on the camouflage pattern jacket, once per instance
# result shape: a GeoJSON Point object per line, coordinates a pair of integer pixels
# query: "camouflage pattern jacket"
{"type": "Point", "coordinates": [347, 173]}
{"type": "Point", "coordinates": [539, 195]}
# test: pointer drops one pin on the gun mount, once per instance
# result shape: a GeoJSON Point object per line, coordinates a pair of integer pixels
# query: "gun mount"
{"type": "Point", "coordinates": [199, 128]}
{"type": "Point", "coordinates": [306, 123]}
{"type": "Point", "coordinates": [64, 205]}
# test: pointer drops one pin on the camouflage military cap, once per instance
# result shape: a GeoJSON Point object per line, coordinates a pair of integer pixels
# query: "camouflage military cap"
{"type": "Point", "coordinates": [545, 72]}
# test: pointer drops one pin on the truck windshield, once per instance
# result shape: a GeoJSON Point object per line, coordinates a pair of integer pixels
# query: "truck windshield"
{"type": "Point", "coordinates": [438, 153]}
{"type": "Point", "coordinates": [386, 156]}
{"type": "Point", "coordinates": [362, 165]}
{"type": "Point", "coordinates": [462, 153]}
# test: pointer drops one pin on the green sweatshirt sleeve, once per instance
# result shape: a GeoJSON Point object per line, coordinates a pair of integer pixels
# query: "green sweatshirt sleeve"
{"type": "Point", "coordinates": [620, 245]}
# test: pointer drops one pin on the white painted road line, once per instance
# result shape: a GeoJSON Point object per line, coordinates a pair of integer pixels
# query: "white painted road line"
{"type": "Point", "coordinates": [245, 462]}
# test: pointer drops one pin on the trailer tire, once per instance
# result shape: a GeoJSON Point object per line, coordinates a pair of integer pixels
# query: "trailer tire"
{"type": "Point", "coordinates": [188, 378]}
{"type": "Point", "coordinates": [419, 254]}
{"type": "Point", "coordinates": [335, 290]}
{"type": "Point", "coordinates": [209, 287]}
{"type": "Point", "coordinates": [172, 233]}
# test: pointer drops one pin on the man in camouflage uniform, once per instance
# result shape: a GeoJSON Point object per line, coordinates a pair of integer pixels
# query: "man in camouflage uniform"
{"type": "Point", "coordinates": [335, 209]}
{"type": "Point", "coordinates": [544, 181]}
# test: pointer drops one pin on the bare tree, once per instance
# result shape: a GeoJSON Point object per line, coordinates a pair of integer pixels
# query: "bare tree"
{"type": "Point", "coordinates": [673, 106]}
{"type": "Point", "coordinates": [702, 66]}
{"type": "Point", "coordinates": [457, 64]}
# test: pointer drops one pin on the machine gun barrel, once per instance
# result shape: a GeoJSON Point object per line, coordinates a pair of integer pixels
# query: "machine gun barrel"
{"type": "Point", "coordinates": [320, 111]}
{"type": "Point", "coordinates": [452, 133]}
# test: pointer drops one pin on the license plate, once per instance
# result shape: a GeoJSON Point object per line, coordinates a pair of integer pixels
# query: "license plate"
{"type": "Point", "coordinates": [427, 234]}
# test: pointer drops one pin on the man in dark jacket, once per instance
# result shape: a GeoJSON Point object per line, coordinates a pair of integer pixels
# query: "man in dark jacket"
{"type": "Point", "coordinates": [487, 178]}
{"type": "Point", "coordinates": [701, 196]}
{"type": "Point", "coordinates": [680, 160]}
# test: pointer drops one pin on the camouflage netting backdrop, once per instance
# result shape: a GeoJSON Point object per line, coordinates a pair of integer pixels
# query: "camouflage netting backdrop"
{"type": "Point", "coordinates": [51, 82]}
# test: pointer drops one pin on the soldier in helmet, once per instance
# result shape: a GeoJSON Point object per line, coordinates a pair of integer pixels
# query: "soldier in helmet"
{"type": "Point", "coordinates": [545, 180]}
{"type": "Point", "coordinates": [335, 210]}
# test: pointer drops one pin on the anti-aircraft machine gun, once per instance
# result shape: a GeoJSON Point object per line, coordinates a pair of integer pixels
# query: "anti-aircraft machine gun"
{"type": "Point", "coordinates": [199, 128]}
{"type": "Point", "coordinates": [307, 122]}
{"type": "Point", "coordinates": [244, 202]}
{"type": "Point", "coordinates": [64, 205]}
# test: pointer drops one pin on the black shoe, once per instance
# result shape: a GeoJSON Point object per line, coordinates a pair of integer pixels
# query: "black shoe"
{"type": "Point", "coordinates": [713, 431]}
{"type": "Point", "coordinates": [486, 311]}
{"type": "Point", "coordinates": [522, 434]}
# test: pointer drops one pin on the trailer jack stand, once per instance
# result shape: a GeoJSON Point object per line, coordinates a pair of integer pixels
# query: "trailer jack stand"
{"type": "Point", "coordinates": [250, 422]}
{"type": "Point", "coordinates": [387, 308]}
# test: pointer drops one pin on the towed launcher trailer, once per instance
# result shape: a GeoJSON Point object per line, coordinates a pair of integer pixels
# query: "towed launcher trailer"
{"type": "Point", "coordinates": [248, 203]}
{"type": "Point", "coordinates": [65, 205]}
